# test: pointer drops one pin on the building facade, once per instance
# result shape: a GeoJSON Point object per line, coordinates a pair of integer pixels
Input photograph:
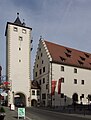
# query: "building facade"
{"type": "Point", "coordinates": [18, 59]}
{"type": "Point", "coordinates": [35, 93]}
{"type": "Point", "coordinates": [64, 74]}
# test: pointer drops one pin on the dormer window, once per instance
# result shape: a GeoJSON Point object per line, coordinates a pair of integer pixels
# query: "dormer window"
{"type": "Point", "coordinates": [86, 55]}
{"type": "Point", "coordinates": [62, 59]}
{"type": "Point", "coordinates": [68, 50]}
{"type": "Point", "coordinates": [80, 62]}
{"type": "Point", "coordinates": [68, 55]}
{"type": "Point", "coordinates": [90, 63]}
{"type": "Point", "coordinates": [82, 58]}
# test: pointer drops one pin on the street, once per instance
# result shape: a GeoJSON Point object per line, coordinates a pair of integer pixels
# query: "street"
{"type": "Point", "coordinates": [40, 114]}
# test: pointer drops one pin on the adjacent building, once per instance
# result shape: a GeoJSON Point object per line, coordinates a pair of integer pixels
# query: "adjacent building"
{"type": "Point", "coordinates": [18, 59]}
{"type": "Point", "coordinates": [63, 73]}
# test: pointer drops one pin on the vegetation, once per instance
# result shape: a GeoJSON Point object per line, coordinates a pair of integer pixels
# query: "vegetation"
{"type": "Point", "coordinates": [2, 110]}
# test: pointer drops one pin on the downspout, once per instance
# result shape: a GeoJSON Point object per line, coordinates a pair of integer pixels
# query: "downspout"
{"type": "Point", "coordinates": [51, 84]}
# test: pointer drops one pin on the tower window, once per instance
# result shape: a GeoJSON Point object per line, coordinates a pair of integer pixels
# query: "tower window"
{"type": "Point", "coordinates": [24, 31]}
{"type": "Point", "coordinates": [20, 38]}
{"type": "Point", "coordinates": [19, 60]}
{"type": "Point", "coordinates": [19, 48]}
{"type": "Point", "coordinates": [15, 29]}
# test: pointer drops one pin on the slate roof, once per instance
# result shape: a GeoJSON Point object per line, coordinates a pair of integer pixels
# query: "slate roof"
{"type": "Point", "coordinates": [69, 56]}
{"type": "Point", "coordinates": [17, 21]}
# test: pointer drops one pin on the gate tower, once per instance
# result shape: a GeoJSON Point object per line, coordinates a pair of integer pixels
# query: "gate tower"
{"type": "Point", "coordinates": [18, 59]}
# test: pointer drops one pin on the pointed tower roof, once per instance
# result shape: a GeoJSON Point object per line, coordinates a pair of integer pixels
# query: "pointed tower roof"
{"type": "Point", "coordinates": [17, 21]}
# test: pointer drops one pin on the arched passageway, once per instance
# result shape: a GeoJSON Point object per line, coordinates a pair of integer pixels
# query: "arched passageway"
{"type": "Point", "coordinates": [33, 102]}
{"type": "Point", "coordinates": [75, 97]}
{"type": "Point", "coordinates": [19, 99]}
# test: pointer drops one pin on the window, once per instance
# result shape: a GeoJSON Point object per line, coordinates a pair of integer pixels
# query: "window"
{"type": "Point", "coordinates": [24, 31]}
{"type": "Point", "coordinates": [38, 92]}
{"type": "Point", "coordinates": [39, 49]}
{"type": "Point", "coordinates": [62, 80]}
{"type": "Point", "coordinates": [62, 59]}
{"type": "Point", "coordinates": [20, 38]}
{"type": "Point", "coordinates": [15, 29]}
{"type": "Point", "coordinates": [75, 70]}
{"type": "Point", "coordinates": [41, 54]}
{"type": "Point", "coordinates": [36, 74]}
{"type": "Point", "coordinates": [37, 65]}
{"type": "Point", "coordinates": [75, 81]}
{"type": "Point", "coordinates": [82, 82]}
{"type": "Point", "coordinates": [82, 95]}
{"type": "Point", "coordinates": [33, 92]}
{"type": "Point", "coordinates": [38, 57]}
{"type": "Point", "coordinates": [43, 80]}
{"type": "Point", "coordinates": [62, 68]}
{"type": "Point", "coordinates": [43, 69]}
{"type": "Point", "coordinates": [19, 49]}
{"type": "Point", "coordinates": [42, 61]}
{"type": "Point", "coordinates": [19, 60]}
{"type": "Point", "coordinates": [40, 71]}
{"type": "Point", "coordinates": [43, 96]}
{"type": "Point", "coordinates": [40, 82]}
{"type": "Point", "coordinates": [80, 62]}
{"type": "Point", "coordinates": [47, 86]}
{"type": "Point", "coordinates": [62, 95]}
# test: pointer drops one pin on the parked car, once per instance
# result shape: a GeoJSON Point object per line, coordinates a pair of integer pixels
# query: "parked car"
{"type": "Point", "coordinates": [19, 104]}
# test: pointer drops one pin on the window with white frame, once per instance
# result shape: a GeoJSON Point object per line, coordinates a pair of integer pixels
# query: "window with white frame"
{"type": "Point", "coordinates": [20, 38]}
{"type": "Point", "coordinates": [62, 68]}
{"type": "Point", "coordinates": [15, 29]}
{"type": "Point", "coordinates": [24, 31]}
{"type": "Point", "coordinates": [33, 92]}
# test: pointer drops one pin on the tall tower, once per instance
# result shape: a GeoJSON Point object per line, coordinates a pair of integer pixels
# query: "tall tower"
{"type": "Point", "coordinates": [18, 59]}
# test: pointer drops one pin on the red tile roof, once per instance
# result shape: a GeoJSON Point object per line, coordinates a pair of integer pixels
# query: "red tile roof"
{"type": "Point", "coordinates": [69, 56]}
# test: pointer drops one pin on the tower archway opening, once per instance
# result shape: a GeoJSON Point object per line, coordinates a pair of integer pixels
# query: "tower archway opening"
{"type": "Point", "coordinates": [19, 100]}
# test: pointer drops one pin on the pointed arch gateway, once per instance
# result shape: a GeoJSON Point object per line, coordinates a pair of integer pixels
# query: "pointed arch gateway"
{"type": "Point", "coordinates": [19, 98]}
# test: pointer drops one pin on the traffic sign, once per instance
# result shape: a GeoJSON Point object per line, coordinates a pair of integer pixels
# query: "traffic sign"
{"type": "Point", "coordinates": [21, 112]}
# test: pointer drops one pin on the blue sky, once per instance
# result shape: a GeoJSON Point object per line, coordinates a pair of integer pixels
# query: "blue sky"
{"type": "Point", "coordinates": [66, 22]}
